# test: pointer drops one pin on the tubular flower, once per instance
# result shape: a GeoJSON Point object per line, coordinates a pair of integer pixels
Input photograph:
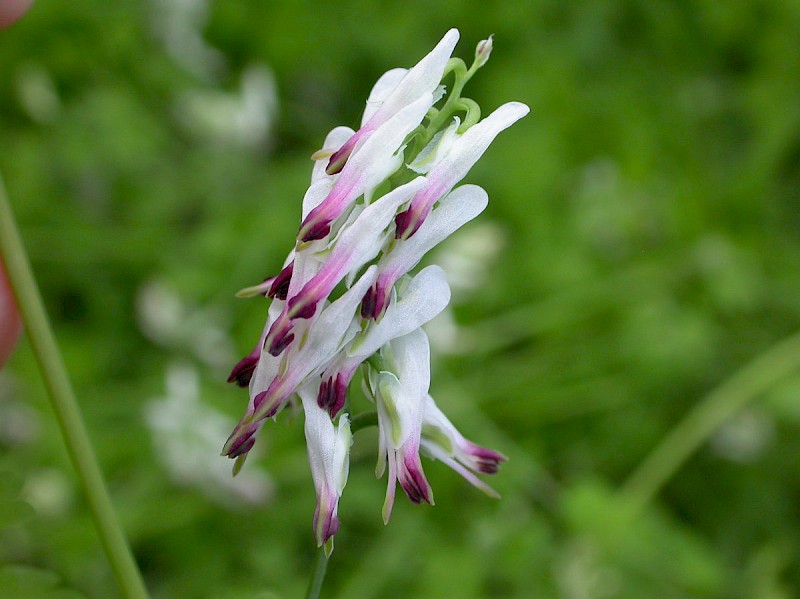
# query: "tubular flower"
{"type": "Point", "coordinates": [328, 455]}
{"type": "Point", "coordinates": [394, 90]}
{"type": "Point", "coordinates": [346, 298]}
{"type": "Point", "coordinates": [400, 396]}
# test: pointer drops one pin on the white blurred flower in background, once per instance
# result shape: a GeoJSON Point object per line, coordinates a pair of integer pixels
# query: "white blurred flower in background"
{"type": "Point", "coordinates": [186, 435]}
{"type": "Point", "coordinates": [167, 321]}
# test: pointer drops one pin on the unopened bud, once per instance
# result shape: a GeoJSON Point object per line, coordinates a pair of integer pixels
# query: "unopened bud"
{"type": "Point", "coordinates": [483, 51]}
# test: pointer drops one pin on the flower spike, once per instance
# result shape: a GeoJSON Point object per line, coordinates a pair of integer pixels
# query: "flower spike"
{"type": "Point", "coordinates": [380, 198]}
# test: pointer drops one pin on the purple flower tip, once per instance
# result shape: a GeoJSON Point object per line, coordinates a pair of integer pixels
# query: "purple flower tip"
{"type": "Point", "coordinates": [413, 481]}
{"type": "Point", "coordinates": [280, 344]}
{"type": "Point", "coordinates": [243, 371]}
{"type": "Point", "coordinates": [242, 448]}
{"type": "Point", "coordinates": [240, 441]}
{"type": "Point", "coordinates": [327, 528]}
{"type": "Point", "coordinates": [339, 157]}
{"type": "Point", "coordinates": [312, 232]}
{"type": "Point", "coordinates": [280, 335]}
{"type": "Point", "coordinates": [338, 160]}
{"type": "Point", "coordinates": [487, 461]}
{"type": "Point", "coordinates": [406, 224]}
{"type": "Point", "coordinates": [333, 394]}
{"type": "Point", "coordinates": [375, 301]}
{"type": "Point", "coordinates": [280, 286]}
{"type": "Point", "coordinates": [300, 309]}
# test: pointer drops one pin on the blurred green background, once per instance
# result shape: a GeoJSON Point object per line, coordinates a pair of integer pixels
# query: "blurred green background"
{"type": "Point", "coordinates": [640, 250]}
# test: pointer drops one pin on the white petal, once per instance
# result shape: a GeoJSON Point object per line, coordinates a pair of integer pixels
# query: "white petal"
{"type": "Point", "coordinates": [372, 162]}
{"type": "Point", "coordinates": [317, 192]}
{"type": "Point", "coordinates": [455, 210]}
{"type": "Point", "coordinates": [320, 438]}
{"type": "Point", "coordinates": [425, 296]}
{"type": "Point", "coordinates": [382, 88]}
{"type": "Point", "coordinates": [469, 147]}
{"type": "Point", "coordinates": [423, 78]}
{"type": "Point", "coordinates": [332, 330]}
{"type": "Point", "coordinates": [404, 391]}
{"type": "Point", "coordinates": [362, 239]}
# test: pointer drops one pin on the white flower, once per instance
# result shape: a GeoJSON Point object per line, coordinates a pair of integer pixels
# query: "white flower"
{"type": "Point", "coordinates": [425, 296]}
{"type": "Point", "coordinates": [454, 162]}
{"type": "Point", "coordinates": [325, 337]}
{"type": "Point", "coordinates": [396, 89]}
{"type": "Point", "coordinates": [442, 441]}
{"type": "Point", "coordinates": [328, 455]}
{"type": "Point", "coordinates": [457, 208]}
{"type": "Point", "coordinates": [400, 397]}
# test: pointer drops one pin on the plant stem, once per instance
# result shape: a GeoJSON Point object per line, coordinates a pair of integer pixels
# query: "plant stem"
{"type": "Point", "coordinates": [65, 406]}
{"type": "Point", "coordinates": [711, 412]}
{"type": "Point", "coordinates": [318, 576]}
{"type": "Point", "coordinates": [363, 420]}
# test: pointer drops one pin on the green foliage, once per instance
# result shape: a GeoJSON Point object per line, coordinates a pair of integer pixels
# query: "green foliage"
{"type": "Point", "coordinates": [644, 224]}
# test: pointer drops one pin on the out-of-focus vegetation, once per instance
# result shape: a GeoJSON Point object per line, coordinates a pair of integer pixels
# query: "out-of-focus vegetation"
{"type": "Point", "coordinates": [639, 250]}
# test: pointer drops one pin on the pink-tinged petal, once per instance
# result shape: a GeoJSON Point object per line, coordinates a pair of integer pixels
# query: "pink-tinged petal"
{"type": "Point", "coordinates": [12, 10]}
{"type": "Point", "coordinates": [339, 158]}
{"type": "Point", "coordinates": [454, 210]}
{"type": "Point", "coordinates": [455, 163]}
{"type": "Point", "coordinates": [280, 335]}
{"type": "Point", "coordinates": [333, 142]}
{"type": "Point", "coordinates": [10, 322]}
{"type": "Point", "coordinates": [358, 243]}
{"type": "Point", "coordinates": [377, 299]}
{"type": "Point", "coordinates": [328, 456]}
{"type": "Point", "coordinates": [328, 334]}
{"type": "Point", "coordinates": [382, 89]}
{"type": "Point", "coordinates": [442, 441]}
{"type": "Point", "coordinates": [370, 165]}
{"type": "Point", "coordinates": [395, 90]}
{"type": "Point", "coordinates": [242, 439]}
{"type": "Point", "coordinates": [409, 221]}
{"type": "Point", "coordinates": [425, 296]}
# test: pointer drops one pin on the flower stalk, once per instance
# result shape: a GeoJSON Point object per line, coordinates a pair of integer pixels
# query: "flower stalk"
{"type": "Point", "coordinates": [65, 405]}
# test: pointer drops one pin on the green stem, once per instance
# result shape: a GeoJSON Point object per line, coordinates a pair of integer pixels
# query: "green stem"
{"type": "Point", "coordinates": [65, 405]}
{"type": "Point", "coordinates": [318, 576]}
{"type": "Point", "coordinates": [711, 412]}
{"type": "Point", "coordinates": [363, 420]}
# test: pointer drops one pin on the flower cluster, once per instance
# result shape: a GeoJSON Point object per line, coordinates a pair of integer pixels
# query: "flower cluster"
{"type": "Point", "coordinates": [380, 198]}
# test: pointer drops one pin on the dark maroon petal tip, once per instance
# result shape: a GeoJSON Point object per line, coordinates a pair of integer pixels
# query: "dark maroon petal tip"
{"type": "Point", "coordinates": [299, 310]}
{"type": "Point", "coordinates": [280, 286]}
{"type": "Point", "coordinates": [280, 344]}
{"type": "Point", "coordinates": [240, 442]}
{"type": "Point", "coordinates": [243, 371]}
{"type": "Point", "coordinates": [402, 224]}
{"type": "Point", "coordinates": [339, 157]}
{"type": "Point", "coordinates": [414, 482]}
{"type": "Point", "coordinates": [317, 231]}
{"type": "Point", "coordinates": [375, 302]}
{"type": "Point", "coordinates": [279, 336]}
{"type": "Point", "coordinates": [336, 163]}
{"type": "Point", "coordinates": [369, 303]}
{"type": "Point", "coordinates": [242, 448]}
